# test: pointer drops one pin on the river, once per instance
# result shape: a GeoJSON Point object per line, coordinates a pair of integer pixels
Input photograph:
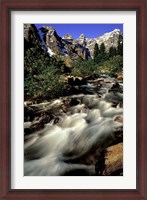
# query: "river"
{"type": "Point", "coordinates": [65, 136]}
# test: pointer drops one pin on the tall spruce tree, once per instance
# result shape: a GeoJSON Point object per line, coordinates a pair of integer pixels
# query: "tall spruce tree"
{"type": "Point", "coordinates": [112, 52]}
{"type": "Point", "coordinates": [96, 51]}
{"type": "Point", "coordinates": [120, 46]}
{"type": "Point", "coordinates": [102, 49]}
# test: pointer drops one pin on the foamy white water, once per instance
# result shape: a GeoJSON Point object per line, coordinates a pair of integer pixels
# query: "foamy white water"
{"type": "Point", "coordinates": [55, 149]}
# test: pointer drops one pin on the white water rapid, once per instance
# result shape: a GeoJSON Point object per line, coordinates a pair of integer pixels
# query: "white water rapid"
{"type": "Point", "coordinates": [77, 125]}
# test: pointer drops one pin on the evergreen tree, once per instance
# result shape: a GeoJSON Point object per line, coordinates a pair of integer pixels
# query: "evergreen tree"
{"type": "Point", "coordinates": [120, 46]}
{"type": "Point", "coordinates": [102, 49]}
{"type": "Point", "coordinates": [102, 55]}
{"type": "Point", "coordinates": [112, 52]}
{"type": "Point", "coordinates": [96, 51]}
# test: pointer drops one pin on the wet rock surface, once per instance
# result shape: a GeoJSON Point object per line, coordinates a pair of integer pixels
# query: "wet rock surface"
{"type": "Point", "coordinates": [78, 134]}
{"type": "Point", "coordinates": [110, 162]}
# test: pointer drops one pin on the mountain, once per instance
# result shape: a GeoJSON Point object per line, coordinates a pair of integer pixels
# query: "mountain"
{"type": "Point", "coordinates": [109, 39]}
{"type": "Point", "coordinates": [32, 38]}
{"type": "Point", "coordinates": [67, 48]}
{"type": "Point", "coordinates": [82, 46]}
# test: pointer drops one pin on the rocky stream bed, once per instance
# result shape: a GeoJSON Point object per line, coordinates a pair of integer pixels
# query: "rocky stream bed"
{"type": "Point", "coordinates": [80, 134]}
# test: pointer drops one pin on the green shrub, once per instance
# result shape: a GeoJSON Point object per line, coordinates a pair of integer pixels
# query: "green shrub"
{"type": "Point", "coordinates": [46, 84]}
{"type": "Point", "coordinates": [113, 65]}
{"type": "Point", "coordinates": [83, 68]}
{"type": "Point", "coordinates": [42, 75]}
{"type": "Point", "coordinates": [108, 66]}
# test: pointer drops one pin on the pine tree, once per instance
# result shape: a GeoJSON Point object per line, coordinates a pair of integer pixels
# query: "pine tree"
{"type": "Point", "coordinates": [112, 52]}
{"type": "Point", "coordinates": [102, 49]}
{"type": "Point", "coordinates": [120, 46]}
{"type": "Point", "coordinates": [102, 55]}
{"type": "Point", "coordinates": [96, 51]}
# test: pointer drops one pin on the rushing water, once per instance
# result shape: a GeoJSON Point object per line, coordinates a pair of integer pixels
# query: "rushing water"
{"type": "Point", "coordinates": [85, 123]}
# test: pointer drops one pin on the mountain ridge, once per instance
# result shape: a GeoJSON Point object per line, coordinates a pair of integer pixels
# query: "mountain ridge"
{"type": "Point", "coordinates": [67, 47]}
{"type": "Point", "coordinates": [110, 39]}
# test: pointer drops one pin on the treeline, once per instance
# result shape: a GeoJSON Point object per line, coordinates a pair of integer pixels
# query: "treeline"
{"type": "Point", "coordinates": [110, 62]}
{"type": "Point", "coordinates": [100, 53]}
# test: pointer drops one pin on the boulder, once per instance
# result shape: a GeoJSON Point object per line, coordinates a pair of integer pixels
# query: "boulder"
{"type": "Point", "coordinates": [111, 161]}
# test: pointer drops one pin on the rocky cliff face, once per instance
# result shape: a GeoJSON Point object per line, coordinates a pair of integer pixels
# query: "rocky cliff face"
{"type": "Point", "coordinates": [67, 47]}
{"type": "Point", "coordinates": [81, 47]}
{"type": "Point", "coordinates": [32, 38]}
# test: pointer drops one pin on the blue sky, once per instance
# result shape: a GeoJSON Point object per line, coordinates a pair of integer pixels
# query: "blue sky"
{"type": "Point", "coordinates": [90, 30]}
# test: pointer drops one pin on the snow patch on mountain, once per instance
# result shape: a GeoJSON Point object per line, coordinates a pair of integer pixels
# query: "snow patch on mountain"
{"type": "Point", "coordinates": [50, 52]}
